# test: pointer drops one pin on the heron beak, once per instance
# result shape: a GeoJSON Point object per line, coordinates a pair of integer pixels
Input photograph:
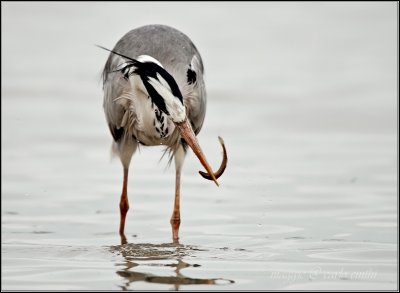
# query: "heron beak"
{"type": "Point", "coordinates": [188, 135]}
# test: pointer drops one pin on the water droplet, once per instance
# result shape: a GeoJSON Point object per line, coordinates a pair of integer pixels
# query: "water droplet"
{"type": "Point", "coordinates": [259, 225]}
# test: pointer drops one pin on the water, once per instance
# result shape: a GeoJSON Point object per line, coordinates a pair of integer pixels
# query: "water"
{"type": "Point", "coordinates": [305, 97]}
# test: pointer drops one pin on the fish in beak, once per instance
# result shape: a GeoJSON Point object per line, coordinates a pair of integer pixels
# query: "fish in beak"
{"type": "Point", "coordinates": [188, 135]}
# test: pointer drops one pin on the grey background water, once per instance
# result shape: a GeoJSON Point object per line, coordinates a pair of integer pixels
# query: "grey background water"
{"type": "Point", "coordinates": [305, 96]}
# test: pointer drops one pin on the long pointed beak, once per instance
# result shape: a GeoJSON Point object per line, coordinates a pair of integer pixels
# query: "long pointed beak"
{"type": "Point", "coordinates": [188, 135]}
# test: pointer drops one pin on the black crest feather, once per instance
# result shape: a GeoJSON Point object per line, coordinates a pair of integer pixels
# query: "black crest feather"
{"type": "Point", "coordinates": [148, 70]}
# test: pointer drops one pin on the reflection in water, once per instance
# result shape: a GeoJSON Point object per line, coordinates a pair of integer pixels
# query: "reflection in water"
{"type": "Point", "coordinates": [136, 254]}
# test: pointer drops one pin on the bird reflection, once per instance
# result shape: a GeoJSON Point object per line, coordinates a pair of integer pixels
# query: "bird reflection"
{"type": "Point", "coordinates": [135, 254]}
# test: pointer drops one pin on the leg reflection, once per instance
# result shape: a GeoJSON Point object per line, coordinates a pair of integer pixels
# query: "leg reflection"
{"type": "Point", "coordinates": [141, 254]}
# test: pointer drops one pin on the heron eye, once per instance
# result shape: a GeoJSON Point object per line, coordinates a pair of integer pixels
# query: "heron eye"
{"type": "Point", "coordinates": [126, 71]}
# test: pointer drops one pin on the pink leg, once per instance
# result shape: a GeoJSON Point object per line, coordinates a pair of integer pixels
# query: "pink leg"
{"type": "Point", "coordinates": [176, 214]}
{"type": "Point", "coordinates": [123, 206]}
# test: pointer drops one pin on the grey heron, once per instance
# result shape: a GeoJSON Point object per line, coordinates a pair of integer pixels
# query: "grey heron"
{"type": "Point", "coordinates": [154, 94]}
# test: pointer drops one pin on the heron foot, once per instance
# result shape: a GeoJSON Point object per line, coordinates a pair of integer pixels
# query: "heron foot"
{"type": "Point", "coordinates": [123, 238]}
{"type": "Point", "coordinates": [123, 207]}
{"type": "Point", "coordinates": [175, 223]}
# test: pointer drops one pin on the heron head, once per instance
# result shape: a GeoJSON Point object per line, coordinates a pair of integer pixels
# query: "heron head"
{"type": "Point", "coordinates": [161, 87]}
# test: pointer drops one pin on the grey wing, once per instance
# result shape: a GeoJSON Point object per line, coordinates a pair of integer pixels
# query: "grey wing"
{"type": "Point", "coordinates": [116, 101]}
{"type": "Point", "coordinates": [195, 93]}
